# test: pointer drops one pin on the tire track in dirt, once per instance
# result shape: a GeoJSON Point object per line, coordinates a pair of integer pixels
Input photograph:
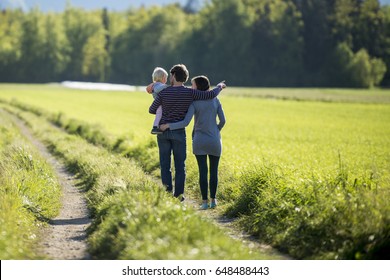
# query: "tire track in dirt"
{"type": "Point", "coordinates": [65, 238]}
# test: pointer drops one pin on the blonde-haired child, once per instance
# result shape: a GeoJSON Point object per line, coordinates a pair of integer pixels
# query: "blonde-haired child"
{"type": "Point", "coordinates": [159, 77]}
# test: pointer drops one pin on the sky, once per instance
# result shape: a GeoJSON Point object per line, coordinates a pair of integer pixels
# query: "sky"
{"type": "Point", "coordinates": [59, 5]}
{"type": "Point", "coordinates": [116, 5]}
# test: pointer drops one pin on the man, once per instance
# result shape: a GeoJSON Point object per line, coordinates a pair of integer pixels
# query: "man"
{"type": "Point", "coordinates": [175, 101]}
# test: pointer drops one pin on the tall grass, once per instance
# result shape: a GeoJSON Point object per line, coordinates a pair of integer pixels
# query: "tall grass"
{"type": "Point", "coordinates": [328, 219]}
{"type": "Point", "coordinates": [29, 191]}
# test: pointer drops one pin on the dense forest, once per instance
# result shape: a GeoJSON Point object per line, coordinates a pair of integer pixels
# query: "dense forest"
{"type": "Point", "coordinates": [273, 43]}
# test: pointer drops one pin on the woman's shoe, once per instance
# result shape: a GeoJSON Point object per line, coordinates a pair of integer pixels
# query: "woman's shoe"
{"type": "Point", "coordinates": [213, 204]}
{"type": "Point", "coordinates": [204, 206]}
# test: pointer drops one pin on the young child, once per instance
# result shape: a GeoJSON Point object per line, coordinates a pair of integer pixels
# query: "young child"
{"type": "Point", "coordinates": [159, 77]}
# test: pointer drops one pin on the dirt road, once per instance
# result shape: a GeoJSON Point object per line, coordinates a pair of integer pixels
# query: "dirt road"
{"type": "Point", "coordinates": [65, 236]}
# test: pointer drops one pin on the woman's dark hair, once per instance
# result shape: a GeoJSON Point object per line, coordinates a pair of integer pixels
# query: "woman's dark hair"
{"type": "Point", "coordinates": [202, 82]}
{"type": "Point", "coordinates": [181, 73]}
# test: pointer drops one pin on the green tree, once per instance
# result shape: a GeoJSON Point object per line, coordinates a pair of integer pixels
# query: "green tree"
{"type": "Point", "coordinates": [386, 44]}
{"type": "Point", "coordinates": [219, 44]}
{"type": "Point", "coordinates": [317, 36]}
{"type": "Point", "coordinates": [151, 39]}
{"type": "Point", "coordinates": [95, 58]}
{"type": "Point", "coordinates": [54, 49]}
{"type": "Point", "coordinates": [369, 27]}
{"type": "Point", "coordinates": [378, 71]}
{"type": "Point", "coordinates": [366, 71]}
{"type": "Point", "coordinates": [10, 39]}
{"type": "Point", "coordinates": [32, 47]}
{"type": "Point", "coordinates": [80, 26]}
{"type": "Point", "coordinates": [107, 43]}
{"type": "Point", "coordinates": [362, 25]}
{"type": "Point", "coordinates": [115, 24]}
{"type": "Point", "coordinates": [356, 69]}
{"type": "Point", "coordinates": [96, 49]}
{"type": "Point", "coordinates": [342, 21]}
{"type": "Point", "coordinates": [277, 43]}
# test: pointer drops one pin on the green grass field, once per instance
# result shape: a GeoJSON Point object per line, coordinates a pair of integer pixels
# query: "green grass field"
{"type": "Point", "coordinates": [304, 137]}
{"type": "Point", "coordinates": [306, 170]}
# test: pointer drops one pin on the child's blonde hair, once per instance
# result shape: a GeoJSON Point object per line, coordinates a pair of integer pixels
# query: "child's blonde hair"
{"type": "Point", "coordinates": [159, 74]}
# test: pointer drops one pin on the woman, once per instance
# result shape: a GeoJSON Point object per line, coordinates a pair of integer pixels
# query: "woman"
{"type": "Point", "coordinates": [206, 139]}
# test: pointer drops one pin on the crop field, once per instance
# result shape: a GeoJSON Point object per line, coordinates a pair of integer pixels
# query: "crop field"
{"type": "Point", "coordinates": [307, 171]}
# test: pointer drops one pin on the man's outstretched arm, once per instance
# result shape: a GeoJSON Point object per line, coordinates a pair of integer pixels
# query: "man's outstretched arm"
{"type": "Point", "coordinates": [210, 94]}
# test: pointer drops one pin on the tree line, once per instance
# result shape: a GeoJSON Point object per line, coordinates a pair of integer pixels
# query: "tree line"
{"type": "Point", "coordinates": [286, 43]}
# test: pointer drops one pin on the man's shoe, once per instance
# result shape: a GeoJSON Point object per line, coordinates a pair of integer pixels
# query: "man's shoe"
{"type": "Point", "coordinates": [181, 197]}
{"type": "Point", "coordinates": [156, 130]}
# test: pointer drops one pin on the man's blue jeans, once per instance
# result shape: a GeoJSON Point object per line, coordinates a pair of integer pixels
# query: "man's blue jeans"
{"type": "Point", "coordinates": [173, 141]}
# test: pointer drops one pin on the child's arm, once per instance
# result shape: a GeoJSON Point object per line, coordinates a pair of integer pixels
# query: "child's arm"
{"type": "Point", "coordinates": [149, 88]}
{"type": "Point", "coordinates": [156, 87]}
